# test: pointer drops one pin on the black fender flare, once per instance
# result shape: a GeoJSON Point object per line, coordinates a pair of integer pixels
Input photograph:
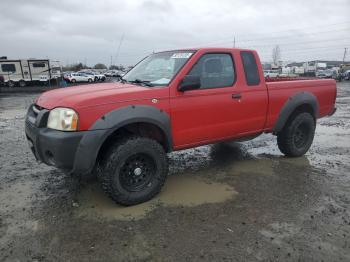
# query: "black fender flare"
{"type": "Point", "coordinates": [302, 98]}
{"type": "Point", "coordinates": [94, 138]}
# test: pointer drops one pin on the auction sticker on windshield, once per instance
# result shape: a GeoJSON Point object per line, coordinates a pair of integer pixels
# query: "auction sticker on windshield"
{"type": "Point", "coordinates": [181, 55]}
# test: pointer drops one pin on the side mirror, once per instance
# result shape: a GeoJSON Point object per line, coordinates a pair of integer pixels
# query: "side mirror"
{"type": "Point", "coordinates": [189, 83]}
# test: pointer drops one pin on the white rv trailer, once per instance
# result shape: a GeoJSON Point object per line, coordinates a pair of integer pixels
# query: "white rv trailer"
{"type": "Point", "coordinates": [24, 71]}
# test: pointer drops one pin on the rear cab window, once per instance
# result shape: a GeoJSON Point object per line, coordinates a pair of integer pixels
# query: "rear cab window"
{"type": "Point", "coordinates": [250, 68]}
{"type": "Point", "coordinates": [215, 70]}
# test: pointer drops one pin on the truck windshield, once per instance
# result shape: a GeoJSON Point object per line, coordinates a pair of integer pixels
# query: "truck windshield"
{"type": "Point", "coordinates": [158, 69]}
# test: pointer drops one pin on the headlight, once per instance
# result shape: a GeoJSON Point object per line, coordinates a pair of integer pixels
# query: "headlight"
{"type": "Point", "coordinates": [63, 119]}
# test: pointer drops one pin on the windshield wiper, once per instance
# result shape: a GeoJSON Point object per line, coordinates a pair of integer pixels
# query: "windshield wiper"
{"type": "Point", "coordinates": [139, 81]}
{"type": "Point", "coordinates": [121, 79]}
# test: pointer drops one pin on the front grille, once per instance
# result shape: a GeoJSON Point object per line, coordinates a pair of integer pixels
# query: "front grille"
{"type": "Point", "coordinates": [34, 112]}
{"type": "Point", "coordinates": [37, 115]}
{"type": "Point", "coordinates": [36, 109]}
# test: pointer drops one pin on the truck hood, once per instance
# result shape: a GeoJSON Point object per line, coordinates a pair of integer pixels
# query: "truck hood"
{"type": "Point", "coordinates": [93, 95]}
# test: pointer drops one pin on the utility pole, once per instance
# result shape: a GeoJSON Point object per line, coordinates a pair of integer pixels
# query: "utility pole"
{"type": "Point", "coordinates": [345, 51]}
{"type": "Point", "coordinates": [234, 42]}
{"type": "Point", "coordinates": [120, 44]}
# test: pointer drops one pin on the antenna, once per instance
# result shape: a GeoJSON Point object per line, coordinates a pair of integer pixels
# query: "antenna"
{"type": "Point", "coordinates": [120, 44]}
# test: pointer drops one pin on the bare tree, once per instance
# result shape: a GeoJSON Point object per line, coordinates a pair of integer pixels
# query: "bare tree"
{"type": "Point", "coordinates": [276, 54]}
{"type": "Point", "coordinates": [100, 66]}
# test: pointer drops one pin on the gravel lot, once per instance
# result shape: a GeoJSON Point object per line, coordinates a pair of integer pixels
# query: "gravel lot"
{"type": "Point", "coordinates": [230, 201]}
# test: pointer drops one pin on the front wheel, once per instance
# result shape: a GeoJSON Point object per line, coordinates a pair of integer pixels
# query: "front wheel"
{"type": "Point", "coordinates": [297, 136]}
{"type": "Point", "coordinates": [134, 170]}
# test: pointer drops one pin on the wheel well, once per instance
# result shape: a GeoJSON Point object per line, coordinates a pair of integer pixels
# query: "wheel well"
{"type": "Point", "coordinates": [304, 108]}
{"type": "Point", "coordinates": [139, 129]}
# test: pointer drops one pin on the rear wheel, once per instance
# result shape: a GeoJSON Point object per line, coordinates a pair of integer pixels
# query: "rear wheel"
{"type": "Point", "coordinates": [73, 80]}
{"type": "Point", "coordinates": [22, 83]}
{"type": "Point", "coordinates": [297, 136]}
{"type": "Point", "coordinates": [11, 83]}
{"type": "Point", "coordinates": [134, 170]}
{"type": "Point", "coordinates": [90, 80]}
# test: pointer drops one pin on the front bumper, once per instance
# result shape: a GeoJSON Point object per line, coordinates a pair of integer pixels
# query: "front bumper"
{"type": "Point", "coordinates": [53, 147]}
{"type": "Point", "coordinates": [72, 151]}
{"type": "Point", "coordinates": [333, 111]}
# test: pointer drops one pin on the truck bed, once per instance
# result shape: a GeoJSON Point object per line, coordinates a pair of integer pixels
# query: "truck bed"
{"type": "Point", "coordinates": [280, 90]}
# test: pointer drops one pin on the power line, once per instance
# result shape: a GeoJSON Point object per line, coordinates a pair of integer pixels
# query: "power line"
{"type": "Point", "coordinates": [260, 39]}
{"type": "Point", "coordinates": [275, 32]}
{"type": "Point", "coordinates": [292, 36]}
{"type": "Point", "coordinates": [234, 41]}
{"type": "Point", "coordinates": [295, 43]}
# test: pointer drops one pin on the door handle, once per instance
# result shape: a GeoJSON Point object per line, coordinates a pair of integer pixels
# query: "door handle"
{"type": "Point", "coordinates": [236, 96]}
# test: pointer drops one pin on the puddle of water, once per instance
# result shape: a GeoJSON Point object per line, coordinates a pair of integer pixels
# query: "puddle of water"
{"type": "Point", "coordinates": [178, 191]}
{"type": "Point", "coordinates": [256, 166]}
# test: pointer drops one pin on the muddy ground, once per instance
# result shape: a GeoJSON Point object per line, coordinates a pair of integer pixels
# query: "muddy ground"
{"type": "Point", "coordinates": [230, 201]}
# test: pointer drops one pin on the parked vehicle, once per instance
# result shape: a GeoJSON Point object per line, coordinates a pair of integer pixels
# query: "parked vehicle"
{"type": "Point", "coordinates": [271, 73]}
{"type": "Point", "coordinates": [26, 71]}
{"type": "Point", "coordinates": [172, 101]}
{"type": "Point", "coordinates": [112, 73]}
{"type": "Point", "coordinates": [328, 73]}
{"type": "Point", "coordinates": [80, 77]}
{"type": "Point", "coordinates": [96, 76]}
{"type": "Point", "coordinates": [346, 75]}
{"type": "Point", "coordinates": [66, 75]}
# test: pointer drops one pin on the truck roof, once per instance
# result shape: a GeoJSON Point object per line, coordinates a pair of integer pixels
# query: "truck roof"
{"type": "Point", "coordinates": [210, 49]}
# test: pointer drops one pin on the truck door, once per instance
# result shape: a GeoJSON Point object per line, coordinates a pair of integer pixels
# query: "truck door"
{"type": "Point", "coordinates": [209, 113]}
{"type": "Point", "coordinates": [253, 94]}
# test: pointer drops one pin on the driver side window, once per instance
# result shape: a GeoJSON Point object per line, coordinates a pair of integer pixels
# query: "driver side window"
{"type": "Point", "coordinates": [215, 70]}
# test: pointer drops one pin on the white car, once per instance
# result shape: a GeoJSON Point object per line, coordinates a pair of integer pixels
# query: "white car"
{"type": "Point", "coordinates": [95, 75]}
{"type": "Point", "coordinates": [80, 77]}
{"type": "Point", "coordinates": [112, 73]}
{"type": "Point", "coordinates": [271, 73]}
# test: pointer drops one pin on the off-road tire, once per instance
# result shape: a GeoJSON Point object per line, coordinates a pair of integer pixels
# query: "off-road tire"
{"type": "Point", "coordinates": [111, 170]}
{"type": "Point", "coordinates": [288, 140]}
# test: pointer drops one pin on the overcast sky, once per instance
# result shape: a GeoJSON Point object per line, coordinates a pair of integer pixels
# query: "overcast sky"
{"type": "Point", "coordinates": [91, 31]}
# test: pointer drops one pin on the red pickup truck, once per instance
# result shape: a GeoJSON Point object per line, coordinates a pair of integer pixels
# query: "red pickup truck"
{"type": "Point", "coordinates": [171, 101]}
